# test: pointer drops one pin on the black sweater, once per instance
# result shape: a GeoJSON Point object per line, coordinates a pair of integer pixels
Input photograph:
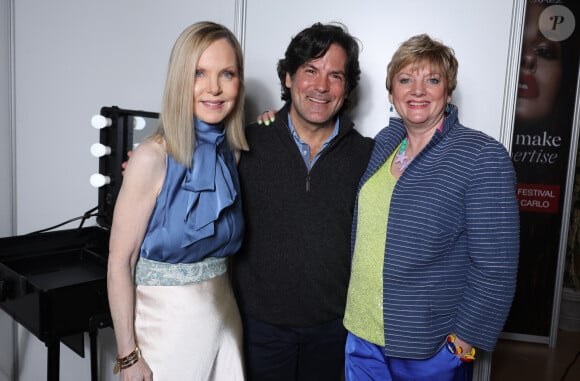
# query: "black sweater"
{"type": "Point", "coordinates": [294, 266]}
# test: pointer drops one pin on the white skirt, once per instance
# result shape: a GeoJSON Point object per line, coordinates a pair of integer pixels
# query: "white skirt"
{"type": "Point", "coordinates": [191, 332]}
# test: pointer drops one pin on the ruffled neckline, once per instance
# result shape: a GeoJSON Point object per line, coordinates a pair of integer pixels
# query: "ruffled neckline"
{"type": "Point", "coordinates": [208, 182]}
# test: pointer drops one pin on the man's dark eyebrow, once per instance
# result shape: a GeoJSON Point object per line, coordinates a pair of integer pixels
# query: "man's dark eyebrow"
{"type": "Point", "coordinates": [311, 66]}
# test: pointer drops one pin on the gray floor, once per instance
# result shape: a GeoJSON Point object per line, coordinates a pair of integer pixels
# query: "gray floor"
{"type": "Point", "coordinates": [514, 361]}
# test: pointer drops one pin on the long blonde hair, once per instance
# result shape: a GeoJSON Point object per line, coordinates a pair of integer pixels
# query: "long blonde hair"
{"type": "Point", "coordinates": [177, 106]}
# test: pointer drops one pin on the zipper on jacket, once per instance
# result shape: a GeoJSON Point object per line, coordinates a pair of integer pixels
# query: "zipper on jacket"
{"type": "Point", "coordinates": [322, 154]}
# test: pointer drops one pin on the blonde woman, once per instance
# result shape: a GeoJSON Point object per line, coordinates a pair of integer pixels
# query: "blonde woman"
{"type": "Point", "coordinates": [177, 219]}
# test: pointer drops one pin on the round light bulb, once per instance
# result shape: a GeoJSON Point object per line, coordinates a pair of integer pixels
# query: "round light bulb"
{"type": "Point", "coordinates": [99, 121]}
{"type": "Point", "coordinates": [139, 123]}
{"type": "Point", "coordinates": [97, 180]}
{"type": "Point", "coordinates": [100, 150]}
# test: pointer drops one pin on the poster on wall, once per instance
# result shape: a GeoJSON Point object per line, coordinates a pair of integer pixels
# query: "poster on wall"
{"type": "Point", "coordinates": [541, 141]}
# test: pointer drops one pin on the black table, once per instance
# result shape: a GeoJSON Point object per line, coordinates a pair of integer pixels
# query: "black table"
{"type": "Point", "coordinates": [54, 284]}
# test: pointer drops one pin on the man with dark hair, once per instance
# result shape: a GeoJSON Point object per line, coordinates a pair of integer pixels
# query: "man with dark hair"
{"type": "Point", "coordinates": [299, 184]}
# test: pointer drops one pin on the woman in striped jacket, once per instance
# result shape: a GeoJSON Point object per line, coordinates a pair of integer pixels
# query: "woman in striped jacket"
{"type": "Point", "coordinates": [435, 233]}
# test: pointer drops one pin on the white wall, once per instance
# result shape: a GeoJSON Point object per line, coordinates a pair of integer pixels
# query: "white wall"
{"type": "Point", "coordinates": [6, 323]}
{"type": "Point", "coordinates": [72, 57]}
{"type": "Point", "coordinates": [477, 30]}
{"type": "Point", "coordinates": [5, 115]}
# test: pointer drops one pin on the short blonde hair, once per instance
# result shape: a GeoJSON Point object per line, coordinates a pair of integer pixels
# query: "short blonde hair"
{"type": "Point", "coordinates": [177, 106]}
{"type": "Point", "coordinates": [423, 48]}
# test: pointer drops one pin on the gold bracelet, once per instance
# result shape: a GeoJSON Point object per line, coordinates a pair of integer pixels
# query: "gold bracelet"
{"type": "Point", "coordinates": [127, 361]}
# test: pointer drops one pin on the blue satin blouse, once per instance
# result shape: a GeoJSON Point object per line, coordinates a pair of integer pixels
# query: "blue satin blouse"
{"type": "Point", "coordinates": [198, 213]}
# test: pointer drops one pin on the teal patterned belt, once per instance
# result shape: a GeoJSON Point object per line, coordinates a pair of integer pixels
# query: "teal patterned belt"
{"type": "Point", "coordinates": [153, 273]}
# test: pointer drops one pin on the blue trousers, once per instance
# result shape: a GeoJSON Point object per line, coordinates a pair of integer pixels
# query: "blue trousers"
{"type": "Point", "coordinates": [366, 361]}
{"type": "Point", "coordinates": [279, 353]}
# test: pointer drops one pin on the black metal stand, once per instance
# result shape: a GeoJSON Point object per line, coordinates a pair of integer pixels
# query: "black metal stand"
{"type": "Point", "coordinates": [53, 349]}
{"type": "Point", "coordinates": [53, 360]}
{"type": "Point", "coordinates": [94, 355]}
{"type": "Point", "coordinates": [95, 323]}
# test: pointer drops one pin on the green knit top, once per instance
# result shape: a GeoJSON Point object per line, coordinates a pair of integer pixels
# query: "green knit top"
{"type": "Point", "coordinates": [364, 307]}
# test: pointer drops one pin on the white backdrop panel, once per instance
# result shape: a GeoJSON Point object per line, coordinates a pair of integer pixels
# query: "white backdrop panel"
{"type": "Point", "coordinates": [478, 31]}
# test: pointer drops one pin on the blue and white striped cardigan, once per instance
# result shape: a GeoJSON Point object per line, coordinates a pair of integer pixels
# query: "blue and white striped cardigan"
{"type": "Point", "coordinates": [452, 241]}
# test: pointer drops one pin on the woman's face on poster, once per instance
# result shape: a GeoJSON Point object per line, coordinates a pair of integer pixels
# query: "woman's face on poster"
{"type": "Point", "coordinates": [540, 70]}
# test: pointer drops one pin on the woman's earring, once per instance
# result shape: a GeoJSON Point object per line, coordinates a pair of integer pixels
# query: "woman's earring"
{"type": "Point", "coordinates": [391, 108]}
{"type": "Point", "coordinates": [447, 109]}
